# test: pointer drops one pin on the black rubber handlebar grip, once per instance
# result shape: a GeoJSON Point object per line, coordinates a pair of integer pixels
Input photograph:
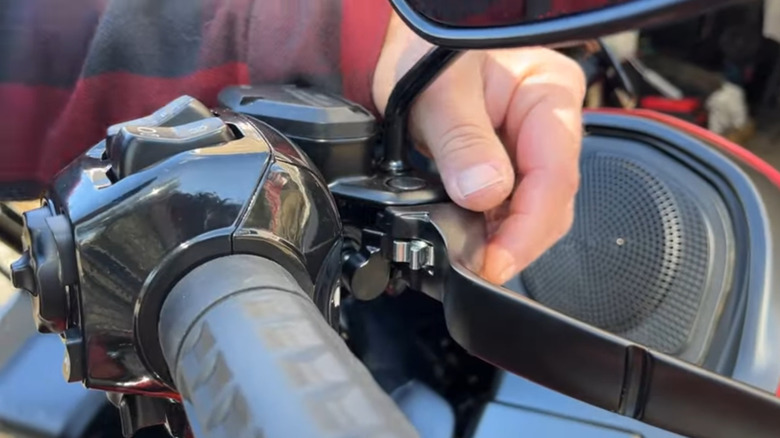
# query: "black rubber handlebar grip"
{"type": "Point", "coordinates": [253, 357]}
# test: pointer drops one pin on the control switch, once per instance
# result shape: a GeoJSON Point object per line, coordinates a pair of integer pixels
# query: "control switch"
{"type": "Point", "coordinates": [181, 111]}
{"type": "Point", "coordinates": [137, 147]}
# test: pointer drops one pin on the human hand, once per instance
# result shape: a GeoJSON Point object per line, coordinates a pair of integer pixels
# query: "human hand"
{"type": "Point", "coordinates": [504, 128]}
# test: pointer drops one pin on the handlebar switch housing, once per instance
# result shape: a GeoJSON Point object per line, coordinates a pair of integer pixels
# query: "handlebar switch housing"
{"type": "Point", "coordinates": [102, 252]}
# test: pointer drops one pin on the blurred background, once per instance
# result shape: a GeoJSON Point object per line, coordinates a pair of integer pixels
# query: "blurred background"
{"type": "Point", "coordinates": [720, 70]}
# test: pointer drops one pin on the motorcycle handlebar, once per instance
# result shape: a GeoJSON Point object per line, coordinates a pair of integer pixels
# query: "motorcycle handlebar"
{"type": "Point", "coordinates": [252, 356]}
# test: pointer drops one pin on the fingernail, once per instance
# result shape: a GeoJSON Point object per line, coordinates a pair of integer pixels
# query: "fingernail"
{"type": "Point", "coordinates": [503, 265]}
{"type": "Point", "coordinates": [507, 273]}
{"type": "Point", "coordinates": [478, 178]}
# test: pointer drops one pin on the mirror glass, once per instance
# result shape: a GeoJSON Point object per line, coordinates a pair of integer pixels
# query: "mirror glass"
{"type": "Point", "coordinates": [492, 13]}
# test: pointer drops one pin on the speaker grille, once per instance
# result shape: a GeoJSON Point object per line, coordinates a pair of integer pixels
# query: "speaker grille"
{"type": "Point", "coordinates": [635, 262]}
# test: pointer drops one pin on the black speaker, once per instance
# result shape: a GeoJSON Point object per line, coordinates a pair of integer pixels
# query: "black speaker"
{"type": "Point", "coordinates": [649, 256]}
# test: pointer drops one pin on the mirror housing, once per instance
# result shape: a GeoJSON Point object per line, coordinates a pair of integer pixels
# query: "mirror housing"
{"type": "Point", "coordinates": [563, 28]}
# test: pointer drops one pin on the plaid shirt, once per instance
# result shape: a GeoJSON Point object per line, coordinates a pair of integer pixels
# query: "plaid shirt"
{"type": "Point", "coordinates": [71, 68]}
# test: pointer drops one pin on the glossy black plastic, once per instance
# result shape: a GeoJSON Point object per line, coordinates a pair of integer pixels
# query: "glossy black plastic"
{"type": "Point", "coordinates": [518, 334]}
{"type": "Point", "coordinates": [47, 267]}
{"type": "Point", "coordinates": [337, 135]}
{"type": "Point", "coordinates": [366, 270]}
{"type": "Point", "coordinates": [134, 149]}
{"type": "Point", "coordinates": [584, 26]}
{"type": "Point", "coordinates": [137, 236]}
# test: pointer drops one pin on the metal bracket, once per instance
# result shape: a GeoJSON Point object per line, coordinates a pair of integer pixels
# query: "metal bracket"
{"type": "Point", "coordinates": [417, 254]}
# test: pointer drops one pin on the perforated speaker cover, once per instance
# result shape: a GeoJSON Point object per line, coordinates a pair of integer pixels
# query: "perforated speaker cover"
{"type": "Point", "coordinates": [646, 252]}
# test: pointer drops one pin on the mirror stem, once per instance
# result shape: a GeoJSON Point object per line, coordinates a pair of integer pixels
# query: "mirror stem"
{"type": "Point", "coordinates": [399, 105]}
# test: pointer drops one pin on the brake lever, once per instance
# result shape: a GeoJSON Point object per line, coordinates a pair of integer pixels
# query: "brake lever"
{"type": "Point", "coordinates": [520, 335]}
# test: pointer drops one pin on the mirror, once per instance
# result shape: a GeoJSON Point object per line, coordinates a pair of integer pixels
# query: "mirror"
{"type": "Point", "coordinates": [483, 24]}
{"type": "Point", "coordinates": [486, 13]}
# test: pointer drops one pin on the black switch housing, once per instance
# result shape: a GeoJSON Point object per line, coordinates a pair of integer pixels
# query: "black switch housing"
{"type": "Point", "coordinates": [137, 147]}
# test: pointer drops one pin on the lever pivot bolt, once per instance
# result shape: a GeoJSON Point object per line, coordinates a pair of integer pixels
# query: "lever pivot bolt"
{"type": "Point", "coordinates": [406, 183]}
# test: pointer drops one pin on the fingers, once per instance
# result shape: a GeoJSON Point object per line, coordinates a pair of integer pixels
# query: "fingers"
{"type": "Point", "coordinates": [533, 97]}
{"type": "Point", "coordinates": [452, 122]}
{"type": "Point", "coordinates": [492, 116]}
{"type": "Point", "coordinates": [541, 212]}
{"type": "Point", "coordinates": [544, 123]}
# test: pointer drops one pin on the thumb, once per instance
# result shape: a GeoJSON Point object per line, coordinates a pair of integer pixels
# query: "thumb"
{"type": "Point", "coordinates": [450, 120]}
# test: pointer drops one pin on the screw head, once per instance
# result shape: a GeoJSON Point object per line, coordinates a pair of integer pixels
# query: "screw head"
{"type": "Point", "coordinates": [406, 183]}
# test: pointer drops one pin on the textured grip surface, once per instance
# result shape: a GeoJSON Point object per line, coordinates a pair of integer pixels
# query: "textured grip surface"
{"type": "Point", "coordinates": [253, 357]}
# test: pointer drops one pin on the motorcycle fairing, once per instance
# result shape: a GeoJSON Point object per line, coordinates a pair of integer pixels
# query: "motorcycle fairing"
{"type": "Point", "coordinates": [745, 340]}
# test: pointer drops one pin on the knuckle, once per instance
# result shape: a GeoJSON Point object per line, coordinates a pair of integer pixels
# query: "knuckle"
{"type": "Point", "coordinates": [459, 139]}
{"type": "Point", "coordinates": [573, 75]}
{"type": "Point", "coordinates": [570, 75]}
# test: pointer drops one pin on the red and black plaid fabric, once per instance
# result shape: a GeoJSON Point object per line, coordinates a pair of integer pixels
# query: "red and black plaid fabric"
{"type": "Point", "coordinates": [69, 69]}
